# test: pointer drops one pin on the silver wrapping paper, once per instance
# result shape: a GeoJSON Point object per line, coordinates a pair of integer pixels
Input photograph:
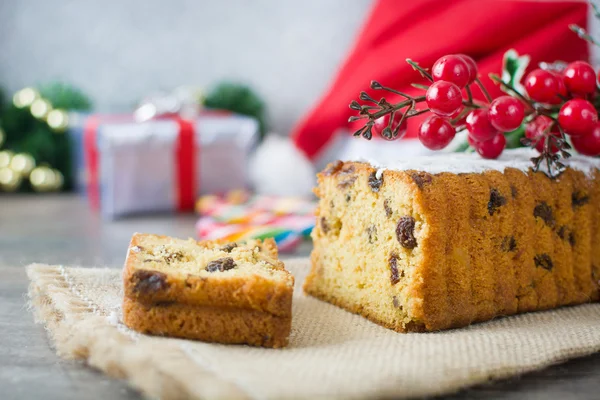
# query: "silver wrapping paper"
{"type": "Point", "coordinates": [137, 163]}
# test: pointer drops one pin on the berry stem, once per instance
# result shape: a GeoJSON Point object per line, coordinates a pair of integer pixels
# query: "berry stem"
{"type": "Point", "coordinates": [596, 10]}
{"type": "Point", "coordinates": [415, 113]}
{"type": "Point", "coordinates": [380, 87]}
{"type": "Point", "coordinates": [383, 108]}
{"type": "Point", "coordinates": [469, 94]}
{"type": "Point", "coordinates": [365, 97]}
{"type": "Point", "coordinates": [460, 116]}
{"type": "Point", "coordinates": [470, 104]}
{"type": "Point", "coordinates": [483, 90]}
{"type": "Point", "coordinates": [397, 129]}
{"type": "Point", "coordinates": [425, 87]}
{"type": "Point", "coordinates": [417, 67]}
{"type": "Point", "coordinates": [495, 78]}
{"type": "Point", "coordinates": [406, 114]}
{"type": "Point", "coordinates": [563, 145]}
{"type": "Point", "coordinates": [547, 134]}
{"type": "Point", "coordinates": [394, 107]}
{"type": "Point", "coordinates": [541, 111]}
{"type": "Point", "coordinates": [394, 132]}
{"type": "Point", "coordinates": [582, 33]}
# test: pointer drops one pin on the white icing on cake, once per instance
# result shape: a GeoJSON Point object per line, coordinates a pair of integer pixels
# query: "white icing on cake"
{"type": "Point", "coordinates": [473, 163]}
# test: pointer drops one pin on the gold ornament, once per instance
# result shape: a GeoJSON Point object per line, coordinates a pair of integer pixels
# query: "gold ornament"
{"type": "Point", "coordinates": [59, 180]}
{"type": "Point", "coordinates": [58, 120]}
{"type": "Point", "coordinates": [46, 179]}
{"type": "Point", "coordinates": [9, 179]}
{"type": "Point", "coordinates": [22, 163]}
{"type": "Point", "coordinates": [42, 179]}
{"type": "Point", "coordinates": [5, 157]}
{"type": "Point", "coordinates": [25, 97]}
{"type": "Point", "coordinates": [40, 108]}
{"type": "Point", "coordinates": [2, 137]}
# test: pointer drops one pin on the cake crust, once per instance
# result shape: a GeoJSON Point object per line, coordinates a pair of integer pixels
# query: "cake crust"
{"type": "Point", "coordinates": [208, 323]}
{"type": "Point", "coordinates": [414, 250]}
{"type": "Point", "coordinates": [168, 292]}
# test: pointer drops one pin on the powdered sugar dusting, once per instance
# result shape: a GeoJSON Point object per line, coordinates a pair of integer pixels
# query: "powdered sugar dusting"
{"type": "Point", "coordinates": [473, 163]}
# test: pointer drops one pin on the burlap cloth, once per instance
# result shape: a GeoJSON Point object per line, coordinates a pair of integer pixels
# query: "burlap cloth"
{"type": "Point", "coordinates": [332, 353]}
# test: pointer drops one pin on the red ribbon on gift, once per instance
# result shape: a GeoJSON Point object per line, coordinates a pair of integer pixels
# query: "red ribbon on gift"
{"type": "Point", "coordinates": [91, 160]}
{"type": "Point", "coordinates": [186, 165]}
{"type": "Point", "coordinates": [185, 156]}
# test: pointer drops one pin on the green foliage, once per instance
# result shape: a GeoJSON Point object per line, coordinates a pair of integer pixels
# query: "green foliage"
{"type": "Point", "coordinates": [25, 133]}
{"type": "Point", "coordinates": [513, 69]}
{"type": "Point", "coordinates": [2, 100]}
{"type": "Point", "coordinates": [513, 139]}
{"type": "Point", "coordinates": [463, 147]}
{"type": "Point", "coordinates": [240, 99]}
{"type": "Point", "coordinates": [65, 96]}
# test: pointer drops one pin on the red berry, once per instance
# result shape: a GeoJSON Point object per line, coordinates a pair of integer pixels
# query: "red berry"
{"type": "Point", "coordinates": [443, 98]}
{"type": "Point", "coordinates": [536, 129]}
{"type": "Point", "coordinates": [451, 68]}
{"type": "Point", "coordinates": [382, 122]}
{"type": "Point", "coordinates": [491, 148]}
{"type": "Point", "coordinates": [473, 71]}
{"type": "Point", "coordinates": [562, 89]}
{"type": "Point", "coordinates": [436, 133]}
{"type": "Point", "coordinates": [506, 113]}
{"type": "Point", "coordinates": [472, 141]}
{"type": "Point", "coordinates": [479, 125]}
{"type": "Point", "coordinates": [580, 78]}
{"type": "Point", "coordinates": [588, 145]}
{"type": "Point", "coordinates": [542, 86]}
{"type": "Point", "coordinates": [457, 112]}
{"type": "Point", "coordinates": [578, 117]}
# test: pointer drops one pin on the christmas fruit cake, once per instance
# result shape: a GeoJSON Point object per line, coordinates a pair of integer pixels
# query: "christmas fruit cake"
{"type": "Point", "coordinates": [226, 293]}
{"type": "Point", "coordinates": [444, 241]}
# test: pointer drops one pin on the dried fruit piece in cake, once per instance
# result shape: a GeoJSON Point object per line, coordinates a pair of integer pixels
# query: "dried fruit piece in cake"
{"type": "Point", "coordinates": [226, 293]}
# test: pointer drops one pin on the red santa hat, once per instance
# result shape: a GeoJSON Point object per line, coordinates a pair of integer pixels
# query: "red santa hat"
{"type": "Point", "coordinates": [423, 31]}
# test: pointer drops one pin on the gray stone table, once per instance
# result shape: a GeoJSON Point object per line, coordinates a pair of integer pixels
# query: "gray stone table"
{"type": "Point", "coordinates": [61, 229]}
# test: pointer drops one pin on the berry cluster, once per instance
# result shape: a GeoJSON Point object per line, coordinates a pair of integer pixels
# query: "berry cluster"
{"type": "Point", "coordinates": [485, 125]}
{"type": "Point", "coordinates": [557, 104]}
{"type": "Point", "coordinates": [571, 88]}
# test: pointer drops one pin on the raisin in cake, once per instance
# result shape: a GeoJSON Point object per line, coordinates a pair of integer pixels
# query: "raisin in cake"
{"type": "Point", "coordinates": [226, 293]}
{"type": "Point", "coordinates": [443, 241]}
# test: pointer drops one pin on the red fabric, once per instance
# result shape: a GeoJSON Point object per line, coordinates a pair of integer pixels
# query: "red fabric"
{"type": "Point", "coordinates": [424, 30]}
{"type": "Point", "coordinates": [186, 166]}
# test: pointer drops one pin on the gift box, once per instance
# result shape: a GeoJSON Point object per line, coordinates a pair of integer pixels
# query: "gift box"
{"type": "Point", "coordinates": [128, 167]}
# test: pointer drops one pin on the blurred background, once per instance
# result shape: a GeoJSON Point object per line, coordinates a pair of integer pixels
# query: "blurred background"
{"type": "Point", "coordinates": [116, 56]}
{"type": "Point", "coordinates": [287, 51]}
{"type": "Point", "coordinates": [211, 118]}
